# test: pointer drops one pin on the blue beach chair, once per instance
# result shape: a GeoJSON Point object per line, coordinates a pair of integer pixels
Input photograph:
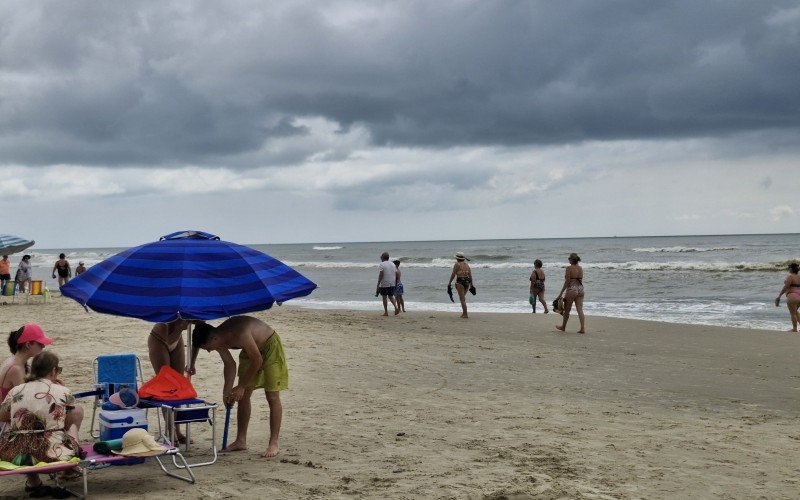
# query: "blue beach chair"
{"type": "Point", "coordinates": [112, 372]}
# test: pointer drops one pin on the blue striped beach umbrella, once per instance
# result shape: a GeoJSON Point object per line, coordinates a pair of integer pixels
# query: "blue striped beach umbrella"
{"type": "Point", "coordinates": [187, 275]}
{"type": "Point", "coordinates": [12, 244]}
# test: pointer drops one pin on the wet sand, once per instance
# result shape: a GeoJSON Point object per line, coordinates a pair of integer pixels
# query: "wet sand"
{"type": "Point", "coordinates": [427, 405]}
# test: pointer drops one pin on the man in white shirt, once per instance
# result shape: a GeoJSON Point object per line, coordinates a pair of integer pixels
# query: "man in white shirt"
{"type": "Point", "coordinates": [387, 279]}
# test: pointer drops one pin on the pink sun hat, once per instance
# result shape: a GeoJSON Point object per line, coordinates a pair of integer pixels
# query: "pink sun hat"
{"type": "Point", "coordinates": [33, 333]}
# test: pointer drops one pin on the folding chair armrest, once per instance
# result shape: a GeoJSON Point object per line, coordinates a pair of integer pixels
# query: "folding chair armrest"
{"type": "Point", "coordinates": [96, 393]}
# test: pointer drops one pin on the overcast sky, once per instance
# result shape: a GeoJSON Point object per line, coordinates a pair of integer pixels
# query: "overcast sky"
{"type": "Point", "coordinates": [308, 121]}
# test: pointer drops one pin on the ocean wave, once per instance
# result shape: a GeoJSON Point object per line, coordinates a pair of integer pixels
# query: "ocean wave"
{"type": "Point", "coordinates": [682, 249]}
{"type": "Point", "coordinates": [716, 267]}
{"type": "Point", "coordinates": [435, 263]}
{"type": "Point", "coordinates": [328, 248]}
{"type": "Point", "coordinates": [712, 313]}
{"type": "Point", "coordinates": [482, 257]}
{"type": "Point", "coordinates": [633, 266]}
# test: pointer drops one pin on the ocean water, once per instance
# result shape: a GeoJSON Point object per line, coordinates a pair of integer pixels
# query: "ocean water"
{"type": "Point", "coordinates": [714, 280]}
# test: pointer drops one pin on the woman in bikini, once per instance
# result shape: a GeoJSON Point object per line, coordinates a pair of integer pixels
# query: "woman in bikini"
{"type": "Point", "coordinates": [166, 348]}
{"type": "Point", "coordinates": [791, 287]}
{"type": "Point", "coordinates": [537, 286]}
{"type": "Point", "coordinates": [573, 286]}
{"type": "Point", "coordinates": [463, 276]}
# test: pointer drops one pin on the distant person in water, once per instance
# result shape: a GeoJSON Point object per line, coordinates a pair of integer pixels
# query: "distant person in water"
{"type": "Point", "coordinates": [791, 287]}
{"type": "Point", "coordinates": [537, 286]}
{"type": "Point", "coordinates": [573, 286]}
{"type": "Point", "coordinates": [80, 269]}
{"type": "Point", "coordinates": [463, 276]}
{"type": "Point", "coordinates": [62, 268]}
{"type": "Point", "coordinates": [387, 281]}
{"type": "Point", "coordinates": [398, 289]}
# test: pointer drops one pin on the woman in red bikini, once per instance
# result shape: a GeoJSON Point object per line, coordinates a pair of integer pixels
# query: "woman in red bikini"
{"type": "Point", "coordinates": [791, 287]}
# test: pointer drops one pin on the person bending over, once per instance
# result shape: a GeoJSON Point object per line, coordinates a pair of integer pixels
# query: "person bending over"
{"type": "Point", "coordinates": [165, 347]}
{"type": "Point", "coordinates": [262, 365]}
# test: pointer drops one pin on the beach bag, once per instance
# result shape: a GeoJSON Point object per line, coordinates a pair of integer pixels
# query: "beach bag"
{"type": "Point", "coordinates": [531, 299]}
{"type": "Point", "coordinates": [558, 305]}
{"type": "Point", "coordinates": [168, 385]}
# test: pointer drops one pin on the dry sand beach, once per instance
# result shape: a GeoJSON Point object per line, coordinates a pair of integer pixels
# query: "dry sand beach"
{"type": "Point", "coordinates": [426, 405]}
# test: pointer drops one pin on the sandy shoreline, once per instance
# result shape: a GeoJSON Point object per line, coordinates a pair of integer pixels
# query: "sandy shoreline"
{"type": "Point", "coordinates": [428, 405]}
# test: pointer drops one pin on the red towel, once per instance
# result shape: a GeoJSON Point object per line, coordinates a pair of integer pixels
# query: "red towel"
{"type": "Point", "coordinates": [168, 385]}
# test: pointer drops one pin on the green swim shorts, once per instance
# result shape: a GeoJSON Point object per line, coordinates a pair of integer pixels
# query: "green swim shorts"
{"type": "Point", "coordinates": [274, 374]}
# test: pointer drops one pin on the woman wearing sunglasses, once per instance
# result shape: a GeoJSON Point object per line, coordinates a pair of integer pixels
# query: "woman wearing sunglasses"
{"type": "Point", "coordinates": [42, 419]}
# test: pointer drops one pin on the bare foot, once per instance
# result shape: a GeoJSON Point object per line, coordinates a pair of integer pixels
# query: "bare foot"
{"type": "Point", "coordinates": [396, 312]}
{"type": "Point", "coordinates": [581, 331]}
{"type": "Point", "coordinates": [181, 439]}
{"type": "Point", "coordinates": [385, 314]}
{"type": "Point", "coordinates": [272, 451]}
{"type": "Point", "coordinates": [546, 311]}
{"type": "Point", "coordinates": [464, 316]}
{"type": "Point", "coordinates": [236, 446]}
{"type": "Point", "coordinates": [560, 328]}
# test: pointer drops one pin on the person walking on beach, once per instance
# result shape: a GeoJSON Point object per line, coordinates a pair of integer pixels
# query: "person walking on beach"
{"type": "Point", "coordinates": [5, 271]}
{"type": "Point", "coordinates": [165, 348]}
{"type": "Point", "coordinates": [262, 365]}
{"type": "Point", "coordinates": [573, 286]}
{"type": "Point", "coordinates": [63, 269]}
{"type": "Point", "coordinates": [537, 286]}
{"type": "Point", "coordinates": [791, 287]}
{"type": "Point", "coordinates": [80, 269]}
{"type": "Point", "coordinates": [23, 277]}
{"type": "Point", "coordinates": [463, 276]}
{"type": "Point", "coordinates": [398, 289]}
{"type": "Point", "coordinates": [387, 280]}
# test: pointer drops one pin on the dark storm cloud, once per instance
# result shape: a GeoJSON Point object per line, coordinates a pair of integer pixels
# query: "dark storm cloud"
{"type": "Point", "coordinates": [211, 83]}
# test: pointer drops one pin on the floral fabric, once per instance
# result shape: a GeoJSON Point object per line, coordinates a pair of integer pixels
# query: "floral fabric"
{"type": "Point", "coordinates": [38, 414]}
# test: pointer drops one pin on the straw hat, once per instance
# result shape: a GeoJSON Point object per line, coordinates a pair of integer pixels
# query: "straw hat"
{"type": "Point", "coordinates": [139, 443]}
{"type": "Point", "coordinates": [461, 256]}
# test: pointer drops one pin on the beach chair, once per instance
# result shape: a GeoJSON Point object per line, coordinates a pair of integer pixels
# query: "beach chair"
{"type": "Point", "coordinates": [9, 290]}
{"type": "Point", "coordinates": [37, 289]}
{"type": "Point", "coordinates": [185, 412]}
{"type": "Point", "coordinates": [111, 373]}
{"type": "Point", "coordinates": [95, 461]}
{"type": "Point", "coordinates": [115, 371]}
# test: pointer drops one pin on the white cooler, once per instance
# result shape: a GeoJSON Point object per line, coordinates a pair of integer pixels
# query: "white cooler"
{"type": "Point", "coordinates": [115, 423]}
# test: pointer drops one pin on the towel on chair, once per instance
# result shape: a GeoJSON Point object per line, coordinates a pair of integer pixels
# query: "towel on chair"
{"type": "Point", "coordinates": [106, 447]}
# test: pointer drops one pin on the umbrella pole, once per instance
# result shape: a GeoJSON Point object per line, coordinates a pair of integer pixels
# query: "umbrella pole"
{"type": "Point", "coordinates": [188, 374]}
{"type": "Point", "coordinates": [189, 348]}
